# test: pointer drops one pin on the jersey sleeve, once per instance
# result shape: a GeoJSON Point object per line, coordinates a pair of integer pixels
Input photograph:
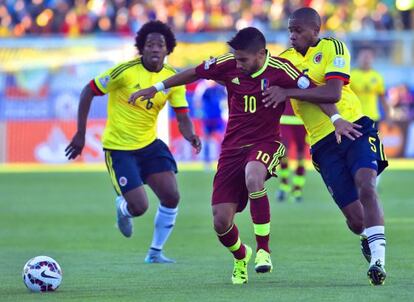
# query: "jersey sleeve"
{"type": "Point", "coordinates": [288, 76]}
{"type": "Point", "coordinates": [381, 85]}
{"type": "Point", "coordinates": [338, 61]}
{"type": "Point", "coordinates": [178, 100]}
{"type": "Point", "coordinates": [109, 80]}
{"type": "Point", "coordinates": [216, 68]}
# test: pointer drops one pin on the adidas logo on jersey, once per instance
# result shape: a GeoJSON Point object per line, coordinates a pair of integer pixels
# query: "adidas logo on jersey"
{"type": "Point", "coordinates": [236, 81]}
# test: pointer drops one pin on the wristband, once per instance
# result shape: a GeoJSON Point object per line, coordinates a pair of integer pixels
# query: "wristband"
{"type": "Point", "coordinates": [159, 86]}
{"type": "Point", "coordinates": [335, 117]}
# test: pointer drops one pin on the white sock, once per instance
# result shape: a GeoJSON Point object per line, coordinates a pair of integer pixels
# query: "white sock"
{"type": "Point", "coordinates": [163, 224]}
{"type": "Point", "coordinates": [376, 241]}
{"type": "Point", "coordinates": [124, 207]}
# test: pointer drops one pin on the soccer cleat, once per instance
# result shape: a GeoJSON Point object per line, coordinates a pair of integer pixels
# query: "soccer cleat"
{"type": "Point", "coordinates": [263, 262]}
{"type": "Point", "coordinates": [156, 256]}
{"type": "Point", "coordinates": [124, 223]}
{"type": "Point", "coordinates": [281, 195]}
{"type": "Point", "coordinates": [366, 251]}
{"type": "Point", "coordinates": [376, 274]}
{"type": "Point", "coordinates": [240, 268]}
{"type": "Point", "coordinates": [297, 196]}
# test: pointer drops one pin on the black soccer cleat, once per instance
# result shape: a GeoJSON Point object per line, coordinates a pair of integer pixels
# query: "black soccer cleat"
{"type": "Point", "coordinates": [366, 251]}
{"type": "Point", "coordinates": [376, 274]}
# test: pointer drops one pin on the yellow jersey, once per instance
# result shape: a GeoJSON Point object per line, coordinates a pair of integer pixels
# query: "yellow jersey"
{"type": "Point", "coordinates": [130, 127]}
{"type": "Point", "coordinates": [328, 59]}
{"type": "Point", "coordinates": [368, 86]}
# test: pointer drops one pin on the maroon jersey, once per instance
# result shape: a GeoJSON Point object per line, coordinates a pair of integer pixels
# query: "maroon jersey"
{"type": "Point", "coordinates": [250, 121]}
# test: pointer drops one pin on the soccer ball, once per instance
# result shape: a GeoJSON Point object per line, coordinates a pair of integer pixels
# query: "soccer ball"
{"type": "Point", "coordinates": [42, 274]}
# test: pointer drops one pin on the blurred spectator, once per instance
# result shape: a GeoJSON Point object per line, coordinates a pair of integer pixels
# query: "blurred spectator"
{"type": "Point", "coordinates": [77, 17]}
{"type": "Point", "coordinates": [401, 98]}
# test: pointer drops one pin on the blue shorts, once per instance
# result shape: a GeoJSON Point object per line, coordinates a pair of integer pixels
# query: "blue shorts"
{"type": "Point", "coordinates": [338, 163]}
{"type": "Point", "coordinates": [130, 168]}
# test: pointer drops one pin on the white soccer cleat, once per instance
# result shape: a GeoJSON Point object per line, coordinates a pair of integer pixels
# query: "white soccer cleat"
{"type": "Point", "coordinates": [124, 223]}
{"type": "Point", "coordinates": [156, 256]}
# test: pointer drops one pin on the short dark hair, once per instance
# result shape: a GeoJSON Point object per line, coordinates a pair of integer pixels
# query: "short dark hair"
{"type": "Point", "coordinates": [249, 38]}
{"type": "Point", "coordinates": [155, 27]}
{"type": "Point", "coordinates": [308, 15]}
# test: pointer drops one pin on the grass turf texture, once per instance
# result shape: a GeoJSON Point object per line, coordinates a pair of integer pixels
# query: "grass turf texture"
{"type": "Point", "coordinates": [71, 217]}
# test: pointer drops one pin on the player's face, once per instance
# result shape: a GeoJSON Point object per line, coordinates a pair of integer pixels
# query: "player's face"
{"type": "Point", "coordinates": [365, 59]}
{"type": "Point", "coordinates": [302, 35]}
{"type": "Point", "coordinates": [155, 49]}
{"type": "Point", "coordinates": [248, 62]}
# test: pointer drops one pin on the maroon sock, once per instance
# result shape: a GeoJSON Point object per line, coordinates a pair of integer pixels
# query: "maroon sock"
{"type": "Point", "coordinates": [231, 240]}
{"type": "Point", "coordinates": [260, 212]}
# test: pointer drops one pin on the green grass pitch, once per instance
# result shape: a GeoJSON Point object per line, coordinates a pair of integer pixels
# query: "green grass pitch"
{"type": "Point", "coordinates": [71, 217]}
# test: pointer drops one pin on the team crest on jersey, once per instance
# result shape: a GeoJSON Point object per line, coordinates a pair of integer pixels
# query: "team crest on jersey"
{"type": "Point", "coordinates": [104, 81]}
{"type": "Point", "coordinates": [208, 63]}
{"type": "Point", "coordinates": [339, 62]}
{"type": "Point", "coordinates": [303, 82]}
{"type": "Point", "coordinates": [123, 181]}
{"type": "Point", "coordinates": [317, 58]}
{"type": "Point", "coordinates": [264, 84]}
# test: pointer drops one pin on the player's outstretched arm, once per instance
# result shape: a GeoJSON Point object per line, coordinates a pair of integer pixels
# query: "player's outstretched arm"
{"type": "Point", "coordinates": [187, 130]}
{"type": "Point", "coordinates": [77, 143]}
{"type": "Point", "coordinates": [342, 126]}
{"type": "Point", "coordinates": [331, 92]}
{"type": "Point", "coordinates": [181, 78]}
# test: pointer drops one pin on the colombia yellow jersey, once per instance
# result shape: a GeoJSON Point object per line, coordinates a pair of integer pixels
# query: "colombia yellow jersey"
{"type": "Point", "coordinates": [130, 127]}
{"type": "Point", "coordinates": [368, 86]}
{"type": "Point", "coordinates": [328, 59]}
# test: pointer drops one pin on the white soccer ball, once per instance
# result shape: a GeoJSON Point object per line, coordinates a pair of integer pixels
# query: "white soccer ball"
{"type": "Point", "coordinates": [42, 274]}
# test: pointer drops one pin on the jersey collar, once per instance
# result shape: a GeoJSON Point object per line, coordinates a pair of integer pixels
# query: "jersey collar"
{"type": "Point", "coordinates": [263, 68]}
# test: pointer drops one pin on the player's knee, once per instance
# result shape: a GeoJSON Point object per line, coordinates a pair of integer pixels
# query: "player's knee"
{"type": "Point", "coordinates": [221, 223]}
{"type": "Point", "coordinates": [170, 199]}
{"type": "Point", "coordinates": [137, 207]}
{"type": "Point", "coordinates": [356, 225]}
{"type": "Point", "coordinates": [254, 183]}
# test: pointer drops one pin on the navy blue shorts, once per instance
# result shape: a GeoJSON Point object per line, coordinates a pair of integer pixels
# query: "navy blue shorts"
{"type": "Point", "coordinates": [338, 163]}
{"type": "Point", "coordinates": [129, 169]}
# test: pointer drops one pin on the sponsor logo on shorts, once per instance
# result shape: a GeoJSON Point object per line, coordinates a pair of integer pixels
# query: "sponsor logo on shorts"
{"type": "Point", "coordinates": [123, 181]}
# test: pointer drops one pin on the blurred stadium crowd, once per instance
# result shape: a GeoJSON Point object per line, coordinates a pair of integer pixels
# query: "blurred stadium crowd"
{"type": "Point", "coordinates": [125, 17]}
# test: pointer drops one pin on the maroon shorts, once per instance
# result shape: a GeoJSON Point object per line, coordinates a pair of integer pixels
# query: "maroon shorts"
{"type": "Point", "coordinates": [295, 134]}
{"type": "Point", "coordinates": [229, 182]}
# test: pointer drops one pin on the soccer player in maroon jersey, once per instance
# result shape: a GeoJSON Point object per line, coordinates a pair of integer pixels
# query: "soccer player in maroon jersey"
{"type": "Point", "coordinates": [251, 147]}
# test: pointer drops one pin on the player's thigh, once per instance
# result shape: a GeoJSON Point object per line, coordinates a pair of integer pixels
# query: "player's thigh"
{"type": "Point", "coordinates": [229, 181]}
{"type": "Point", "coordinates": [336, 175]}
{"type": "Point", "coordinates": [164, 185]}
{"type": "Point", "coordinates": [124, 170]}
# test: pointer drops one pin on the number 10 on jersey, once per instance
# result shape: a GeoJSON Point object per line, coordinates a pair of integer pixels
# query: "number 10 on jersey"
{"type": "Point", "coordinates": [249, 103]}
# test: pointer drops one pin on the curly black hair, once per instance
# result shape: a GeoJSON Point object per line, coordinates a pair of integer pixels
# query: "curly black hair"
{"type": "Point", "coordinates": [155, 27]}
